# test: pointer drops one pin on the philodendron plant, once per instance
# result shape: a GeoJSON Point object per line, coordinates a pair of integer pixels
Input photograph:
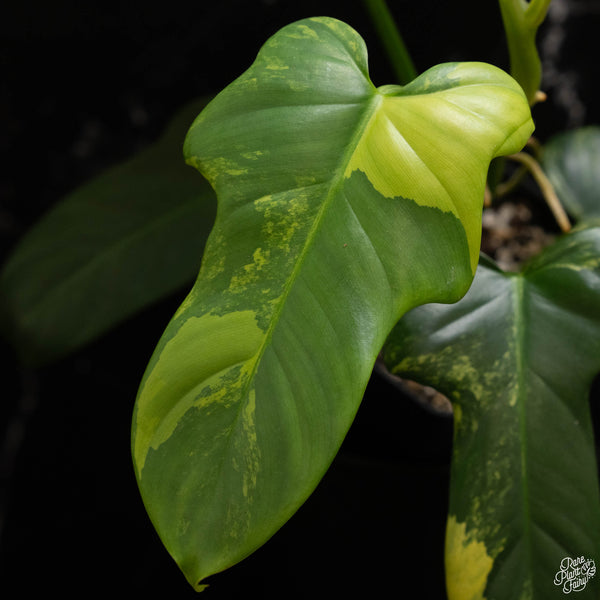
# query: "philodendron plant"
{"type": "Point", "coordinates": [341, 208]}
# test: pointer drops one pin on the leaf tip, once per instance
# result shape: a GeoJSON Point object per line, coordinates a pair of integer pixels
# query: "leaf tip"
{"type": "Point", "coordinates": [200, 587]}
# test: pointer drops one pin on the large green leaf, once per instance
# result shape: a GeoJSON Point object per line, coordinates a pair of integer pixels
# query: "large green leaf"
{"type": "Point", "coordinates": [572, 162]}
{"type": "Point", "coordinates": [120, 242]}
{"type": "Point", "coordinates": [340, 207]}
{"type": "Point", "coordinates": [516, 356]}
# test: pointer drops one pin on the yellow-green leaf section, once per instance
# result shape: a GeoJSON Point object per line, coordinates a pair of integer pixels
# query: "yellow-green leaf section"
{"type": "Point", "coordinates": [467, 563]}
{"type": "Point", "coordinates": [415, 146]}
{"type": "Point", "coordinates": [334, 218]}
{"type": "Point", "coordinates": [184, 364]}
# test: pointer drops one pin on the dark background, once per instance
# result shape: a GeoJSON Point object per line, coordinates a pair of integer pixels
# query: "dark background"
{"type": "Point", "coordinates": [83, 86]}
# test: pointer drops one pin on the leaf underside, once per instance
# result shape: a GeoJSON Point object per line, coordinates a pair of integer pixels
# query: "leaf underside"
{"type": "Point", "coordinates": [341, 206]}
{"type": "Point", "coordinates": [516, 356]}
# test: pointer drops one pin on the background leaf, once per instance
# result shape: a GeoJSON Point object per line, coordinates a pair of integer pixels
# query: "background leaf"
{"type": "Point", "coordinates": [571, 161]}
{"type": "Point", "coordinates": [115, 245]}
{"type": "Point", "coordinates": [516, 356]}
{"type": "Point", "coordinates": [340, 206]}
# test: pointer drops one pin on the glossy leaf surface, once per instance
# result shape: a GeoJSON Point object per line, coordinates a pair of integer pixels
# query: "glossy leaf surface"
{"type": "Point", "coordinates": [516, 356]}
{"type": "Point", "coordinates": [571, 160]}
{"type": "Point", "coordinates": [126, 239]}
{"type": "Point", "coordinates": [340, 207]}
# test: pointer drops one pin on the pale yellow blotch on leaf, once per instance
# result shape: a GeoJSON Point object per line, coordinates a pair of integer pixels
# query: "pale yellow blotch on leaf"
{"type": "Point", "coordinates": [463, 370]}
{"type": "Point", "coordinates": [468, 564]}
{"type": "Point", "coordinates": [276, 64]}
{"type": "Point", "coordinates": [255, 155]}
{"type": "Point", "coordinates": [457, 410]}
{"type": "Point", "coordinates": [252, 451]}
{"type": "Point", "coordinates": [250, 272]}
{"type": "Point", "coordinates": [303, 32]}
{"type": "Point", "coordinates": [246, 462]}
{"type": "Point", "coordinates": [590, 263]}
{"type": "Point", "coordinates": [279, 225]}
{"type": "Point", "coordinates": [213, 168]}
{"type": "Point", "coordinates": [186, 365]}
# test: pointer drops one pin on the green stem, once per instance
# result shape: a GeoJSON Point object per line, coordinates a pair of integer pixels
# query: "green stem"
{"type": "Point", "coordinates": [521, 21]}
{"type": "Point", "coordinates": [389, 35]}
{"type": "Point", "coordinates": [545, 187]}
{"type": "Point", "coordinates": [536, 11]}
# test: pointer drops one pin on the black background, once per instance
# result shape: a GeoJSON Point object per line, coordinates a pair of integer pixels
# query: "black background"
{"type": "Point", "coordinates": [86, 85]}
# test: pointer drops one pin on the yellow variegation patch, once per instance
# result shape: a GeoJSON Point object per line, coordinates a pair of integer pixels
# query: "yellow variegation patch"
{"type": "Point", "coordinates": [467, 563]}
{"type": "Point", "coordinates": [431, 141]}
{"type": "Point", "coordinates": [185, 367]}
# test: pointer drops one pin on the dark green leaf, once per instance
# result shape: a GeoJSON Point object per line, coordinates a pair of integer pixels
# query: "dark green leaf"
{"type": "Point", "coordinates": [340, 206]}
{"type": "Point", "coordinates": [516, 356]}
{"type": "Point", "coordinates": [572, 162]}
{"type": "Point", "coordinates": [126, 239]}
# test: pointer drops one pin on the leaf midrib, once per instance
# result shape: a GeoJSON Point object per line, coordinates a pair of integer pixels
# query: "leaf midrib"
{"type": "Point", "coordinates": [519, 332]}
{"type": "Point", "coordinates": [337, 183]}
